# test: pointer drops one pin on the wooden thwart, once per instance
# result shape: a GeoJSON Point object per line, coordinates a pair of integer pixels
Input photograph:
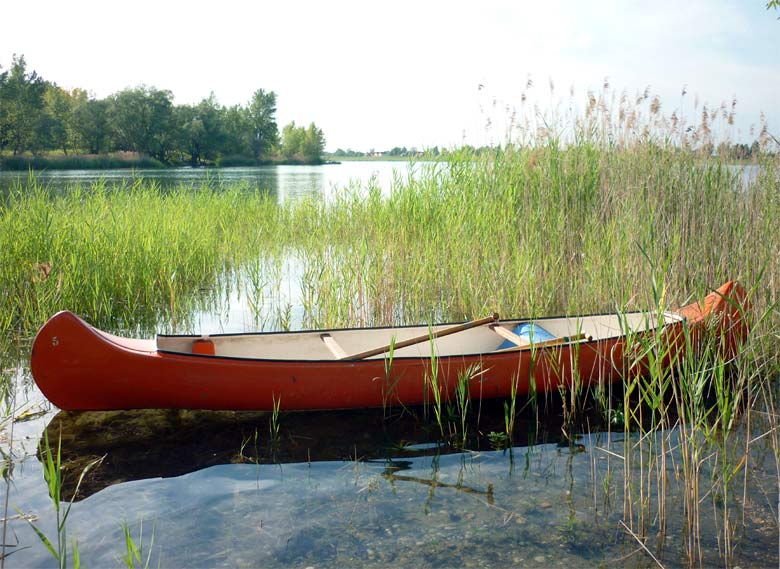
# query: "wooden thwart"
{"type": "Point", "coordinates": [423, 338]}
{"type": "Point", "coordinates": [509, 335]}
{"type": "Point", "coordinates": [333, 346]}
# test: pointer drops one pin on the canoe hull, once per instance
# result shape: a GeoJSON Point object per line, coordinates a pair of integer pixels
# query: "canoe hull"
{"type": "Point", "coordinates": [78, 367]}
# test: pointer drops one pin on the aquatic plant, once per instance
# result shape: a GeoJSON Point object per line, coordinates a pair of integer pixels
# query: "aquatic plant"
{"type": "Point", "coordinates": [273, 421]}
{"type": "Point", "coordinates": [134, 550]}
{"type": "Point", "coordinates": [52, 473]}
{"type": "Point", "coordinates": [432, 382]}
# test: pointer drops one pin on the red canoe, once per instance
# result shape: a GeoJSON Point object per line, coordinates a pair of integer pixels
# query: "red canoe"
{"type": "Point", "coordinates": [80, 367]}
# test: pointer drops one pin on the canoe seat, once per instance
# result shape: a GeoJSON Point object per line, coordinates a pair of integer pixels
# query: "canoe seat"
{"type": "Point", "coordinates": [203, 346]}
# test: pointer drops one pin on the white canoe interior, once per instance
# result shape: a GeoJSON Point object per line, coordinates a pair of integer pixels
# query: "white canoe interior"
{"type": "Point", "coordinates": [344, 343]}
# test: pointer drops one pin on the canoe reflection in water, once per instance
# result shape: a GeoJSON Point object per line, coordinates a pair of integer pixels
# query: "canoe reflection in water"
{"type": "Point", "coordinates": [142, 444]}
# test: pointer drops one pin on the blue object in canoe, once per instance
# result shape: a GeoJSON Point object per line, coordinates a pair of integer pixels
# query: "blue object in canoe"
{"type": "Point", "coordinates": [528, 331]}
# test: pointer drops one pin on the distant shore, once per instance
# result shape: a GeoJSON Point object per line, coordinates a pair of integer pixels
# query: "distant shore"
{"type": "Point", "coordinates": [133, 160]}
{"type": "Point", "coordinates": [380, 158]}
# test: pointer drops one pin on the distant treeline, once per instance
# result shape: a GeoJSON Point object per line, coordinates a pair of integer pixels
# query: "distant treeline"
{"type": "Point", "coordinates": [398, 151]}
{"type": "Point", "coordinates": [728, 150]}
{"type": "Point", "coordinates": [40, 118]}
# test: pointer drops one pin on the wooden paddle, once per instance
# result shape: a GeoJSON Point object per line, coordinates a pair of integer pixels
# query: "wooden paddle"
{"type": "Point", "coordinates": [419, 339]}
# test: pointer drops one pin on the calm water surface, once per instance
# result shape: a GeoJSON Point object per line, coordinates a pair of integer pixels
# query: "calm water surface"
{"type": "Point", "coordinates": [285, 182]}
{"type": "Point", "coordinates": [356, 490]}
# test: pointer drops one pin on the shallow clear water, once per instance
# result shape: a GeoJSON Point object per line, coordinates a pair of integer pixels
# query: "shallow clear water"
{"type": "Point", "coordinates": [542, 505]}
{"type": "Point", "coordinates": [347, 513]}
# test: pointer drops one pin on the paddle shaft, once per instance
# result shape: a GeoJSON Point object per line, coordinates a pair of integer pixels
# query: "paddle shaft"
{"type": "Point", "coordinates": [419, 339]}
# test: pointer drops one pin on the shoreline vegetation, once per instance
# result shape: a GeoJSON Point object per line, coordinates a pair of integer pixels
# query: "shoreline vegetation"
{"type": "Point", "coordinates": [133, 160]}
{"type": "Point", "coordinates": [40, 119]}
{"type": "Point", "coordinates": [606, 210]}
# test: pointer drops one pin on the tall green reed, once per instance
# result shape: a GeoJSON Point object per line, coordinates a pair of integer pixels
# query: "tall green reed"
{"type": "Point", "coordinates": [119, 254]}
{"type": "Point", "coordinates": [52, 472]}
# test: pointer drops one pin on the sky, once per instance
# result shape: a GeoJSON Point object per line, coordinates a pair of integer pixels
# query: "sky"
{"type": "Point", "coordinates": [410, 73]}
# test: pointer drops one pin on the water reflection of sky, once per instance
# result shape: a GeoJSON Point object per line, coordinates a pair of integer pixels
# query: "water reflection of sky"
{"type": "Point", "coordinates": [353, 514]}
{"type": "Point", "coordinates": [540, 506]}
{"type": "Point", "coordinates": [286, 182]}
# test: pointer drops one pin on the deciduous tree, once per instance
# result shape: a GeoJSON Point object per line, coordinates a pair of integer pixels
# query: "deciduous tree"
{"type": "Point", "coordinates": [262, 121]}
{"type": "Point", "coordinates": [91, 126]}
{"type": "Point", "coordinates": [21, 99]}
{"type": "Point", "coordinates": [141, 118]}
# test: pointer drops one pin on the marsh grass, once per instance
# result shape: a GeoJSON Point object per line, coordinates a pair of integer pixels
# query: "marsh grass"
{"type": "Point", "coordinates": [522, 231]}
{"type": "Point", "coordinates": [122, 256]}
{"type": "Point", "coordinates": [437, 391]}
{"type": "Point", "coordinates": [274, 424]}
{"type": "Point", "coordinates": [83, 162]}
{"type": "Point", "coordinates": [134, 549]}
{"type": "Point", "coordinates": [52, 472]}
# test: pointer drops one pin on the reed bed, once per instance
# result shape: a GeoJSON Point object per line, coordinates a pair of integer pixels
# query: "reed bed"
{"type": "Point", "coordinates": [547, 228]}
{"type": "Point", "coordinates": [532, 231]}
{"type": "Point", "coordinates": [124, 256]}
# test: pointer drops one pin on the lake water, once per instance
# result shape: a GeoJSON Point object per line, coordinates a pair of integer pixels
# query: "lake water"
{"type": "Point", "coordinates": [285, 182]}
{"type": "Point", "coordinates": [362, 489]}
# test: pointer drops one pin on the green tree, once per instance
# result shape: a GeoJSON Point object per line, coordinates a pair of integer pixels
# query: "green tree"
{"type": "Point", "coordinates": [37, 115]}
{"type": "Point", "coordinates": [203, 130]}
{"type": "Point", "coordinates": [292, 141]}
{"type": "Point", "coordinates": [22, 104]}
{"type": "Point", "coordinates": [313, 144]}
{"type": "Point", "coordinates": [235, 122]}
{"type": "Point", "coordinates": [142, 121]}
{"type": "Point", "coordinates": [303, 144]}
{"type": "Point", "coordinates": [58, 119]}
{"type": "Point", "coordinates": [91, 127]}
{"type": "Point", "coordinates": [262, 122]}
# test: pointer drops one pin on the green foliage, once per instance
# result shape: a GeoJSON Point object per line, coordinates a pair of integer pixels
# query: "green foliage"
{"type": "Point", "coordinates": [302, 144]}
{"type": "Point", "coordinates": [56, 120]}
{"type": "Point", "coordinates": [21, 106]}
{"type": "Point", "coordinates": [134, 552]}
{"type": "Point", "coordinates": [141, 119]}
{"type": "Point", "coordinates": [91, 129]}
{"type": "Point", "coordinates": [84, 162]}
{"type": "Point", "coordinates": [261, 119]}
{"type": "Point", "coordinates": [110, 252]}
{"type": "Point", "coordinates": [201, 128]}
{"type": "Point", "coordinates": [52, 473]}
{"type": "Point", "coordinates": [562, 231]}
{"type": "Point", "coordinates": [39, 117]}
